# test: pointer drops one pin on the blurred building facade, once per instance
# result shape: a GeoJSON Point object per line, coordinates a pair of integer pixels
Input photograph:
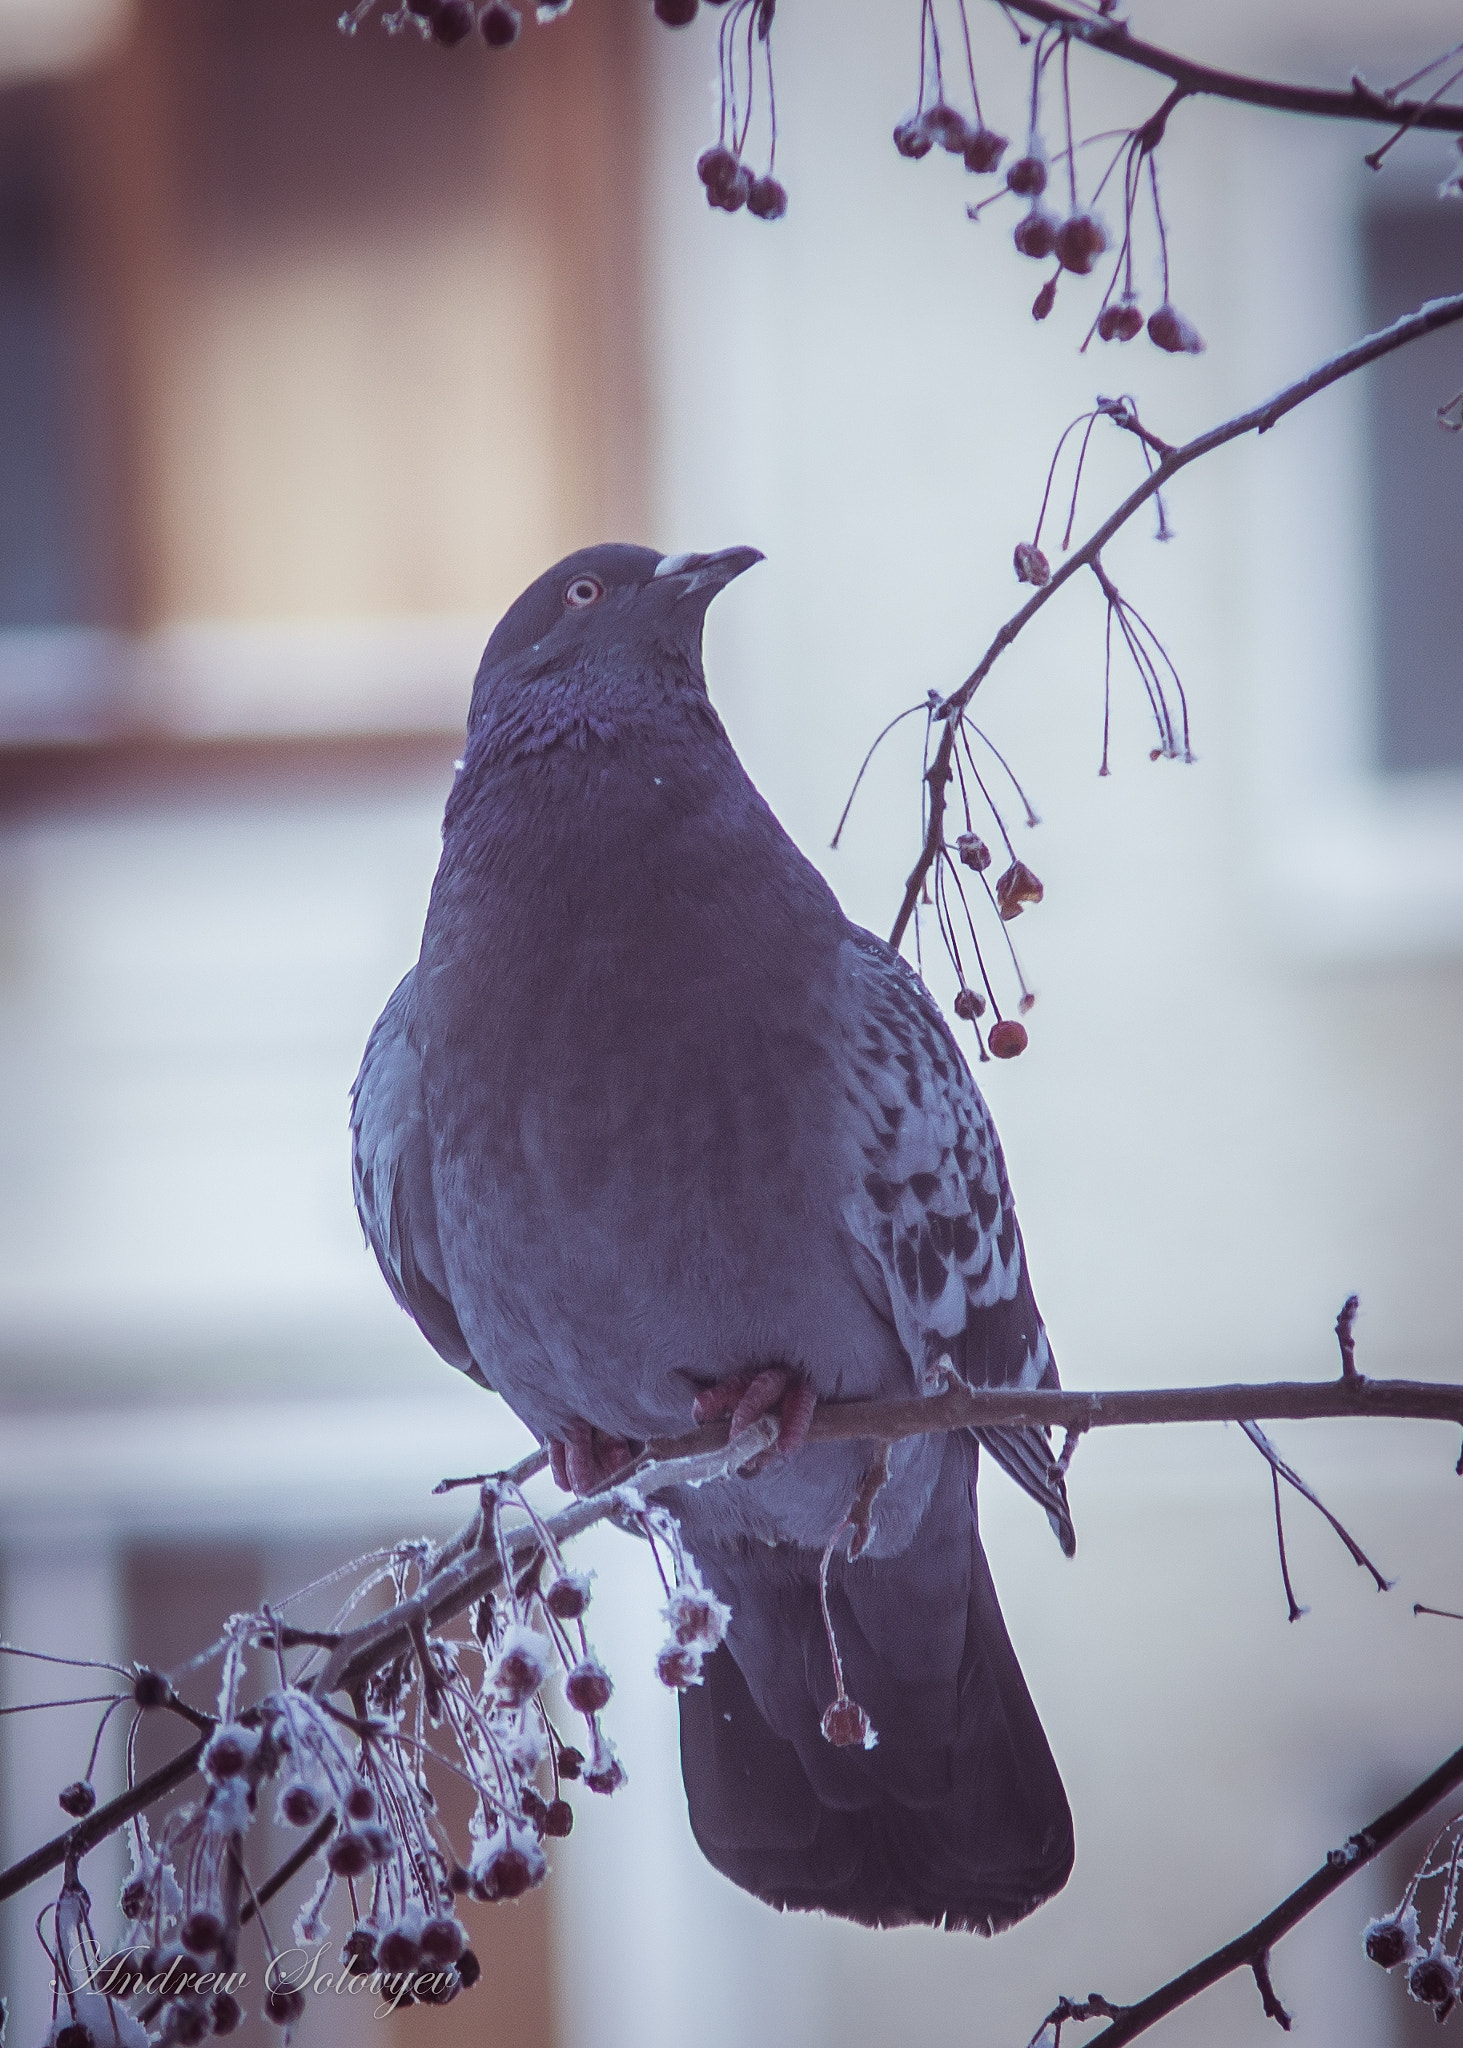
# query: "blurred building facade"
{"type": "Point", "coordinates": [316, 350]}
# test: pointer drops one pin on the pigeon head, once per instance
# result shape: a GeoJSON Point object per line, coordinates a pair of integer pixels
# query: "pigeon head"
{"type": "Point", "coordinates": [597, 606]}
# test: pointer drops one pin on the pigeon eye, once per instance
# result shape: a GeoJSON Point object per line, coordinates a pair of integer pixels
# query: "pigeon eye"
{"type": "Point", "coordinates": [582, 591]}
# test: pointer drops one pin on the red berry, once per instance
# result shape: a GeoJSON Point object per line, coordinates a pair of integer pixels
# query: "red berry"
{"type": "Point", "coordinates": [973, 852]}
{"type": "Point", "coordinates": [202, 1932]}
{"type": "Point", "coordinates": [846, 1725]}
{"type": "Point", "coordinates": [300, 1806]}
{"type": "Point", "coordinates": [1017, 886]}
{"type": "Point", "coordinates": [912, 138]}
{"type": "Point", "coordinates": [360, 1802]}
{"type": "Point", "coordinates": [469, 1969]}
{"type": "Point", "coordinates": [1027, 176]}
{"type": "Point", "coordinates": [559, 1819]}
{"type": "Point", "coordinates": [678, 1668]}
{"type": "Point", "coordinates": [767, 199]}
{"type": "Point", "coordinates": [1045, 299]}
{"type": "Point", "coordinates": [452, 23]}
{"type": "Point", "coordinates": [1031, 564]}
{"type": "Point", "coordinates": [442, 1940]}
{"type": "Point", "coordinates": [1120, 322]}
{"type": "Point", "coordinates": [731, 193]}
{"type": "Point", "coordinates": [571, 1763]}
{"type": "Point", "coordinates": [150, 1689]}
{"type": "Point", "coordinates": [349, 1856]}
{"type": "Point", "coordinates": [588, 1688]}
{"type": "Point", "coordinates": [568, 1595]}
{"type": "Point", "coordinates": [1035, 233]}
{"type": "Point", "coordinates": [1388, 1943]}
{"type": "Point", "coordinates": [950, 129]}
{"type": "Point", "coordinates": [1171, 331]}
{"type": "Point", "coordinates": [1080, 241]}
{"type": "Point", "coordinates": [969, 1005]}
{"type": "Point", "coordinates": [397, 1951]}
{"type": "Point", "coordinates": [498, 24]}
{"type": "Point", "coordinates": [284, 2005]}
{"type": "Point", "coordinates": [225, 1756]}
{"type": "Point", "coordinates": [77, 1799]}
{"type": "Point", "coordinates": [1007, 1038]}
{"type": "Point", "coordinates": [984, 150]}
{"type": "Point", "coordinates": [226, 2013]}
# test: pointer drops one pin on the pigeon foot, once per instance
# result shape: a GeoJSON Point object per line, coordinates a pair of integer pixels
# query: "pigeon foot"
{"type": "Point", "coordinates": [585, 1458]}
{"type": "Point", "coordinates": [747, 1396]}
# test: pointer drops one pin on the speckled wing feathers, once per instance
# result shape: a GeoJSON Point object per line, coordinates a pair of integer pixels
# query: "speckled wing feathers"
{"type": "Point", "coordinates": [391, 1167]}
{"type": "Point", "coordinates": [934, 1211]}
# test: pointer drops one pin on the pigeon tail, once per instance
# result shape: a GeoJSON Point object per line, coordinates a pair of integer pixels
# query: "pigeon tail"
{"type": "Point", "coordinates": [956, 1817]}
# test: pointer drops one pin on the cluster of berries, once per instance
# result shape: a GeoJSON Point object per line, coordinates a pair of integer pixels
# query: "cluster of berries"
{"type": "Point", "coordinates": [730, 185]}
{"type": "Point", "coordinates": [450, 22]}
{"type": "Point", "coordinates": [1434, 1965]}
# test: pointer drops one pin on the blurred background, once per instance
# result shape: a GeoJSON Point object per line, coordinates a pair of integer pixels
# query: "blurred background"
{"type": "Point", "coordinates": [313, 351]}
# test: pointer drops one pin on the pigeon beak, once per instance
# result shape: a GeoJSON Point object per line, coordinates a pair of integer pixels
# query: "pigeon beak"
{"type": "Point", "coordinates": [710, 573]}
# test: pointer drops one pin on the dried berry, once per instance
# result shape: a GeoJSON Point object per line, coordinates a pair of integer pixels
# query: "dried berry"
{"type": "Point", "coordinates": [696, 1618]}
{"type": "Point", "coordinates": [1391, 1941]}
{"type": "Point", "coordinates": [973, 852]}
{"type": "Point", "coordinates": [226, 2013]}
{"type": "Point", "coordinates": [571, 1763]}
{"type": "Point", "coordinates": [1434, 1979]}
{"type": "Point", "coordinates": [948, 127]}
{"type": "Point", "coordinates": [912, 138]}
{"type": "Point", "coordinates": [299, 1804]}
{"type": "Point", "coordinates": [398, 1950]}
{"type": "Point", "coordinates": [559, 1819]}
{"type": "Point", "coordinates": [202, 1932]}
{"type": "Point", "coordinates": [969, 1005]}
{"type": "Point", "coordinates": [284, 2005]}
{"type": "Point", "coordinates": [1031, 564]}
{"type": "Point", "coordinates": [1120, 322]}
{"type": "Point", "coordinates": [150, 1689]}
{"type": "Point", "coordinates": [568, 1595]}
{"type": "Point", "coordinates": [510, 1865]}
{"type": "Point", "coordinates": [1171, 331]}
{"type": "Point", "coordinates": [360, 1801]}
{"type": "Point", "coordinates": [1027, 176]}
{"type": "Point", "coordinates": [984, 150]}
{"type": "Point", "coordinates": [675, 13]}
{"type": "Point", "coordinates": [452, 23]}
{"type": "Point", "coordinates": [1035, 234]}
{"type": "Point", "coordinates": [767, 199]}
{"type": "Point", "coordinates": [1007, 1039]}
{"type": "Point", "coordinates": [1045, 299]}
{"type": "Point", "coordinates": [522, 1665]}
{"type": "Point", "coordinates": [847, 1726]}
{"type": "Point", "coordinates": [606, 1774]}
{"type": "Point", "coordinates": [442, 1940]}
{"type": "Point", "coordinates": [1080, 241]}
{"type": "Point", "coordinates": [187, 2023]}
{"type": "Point", "coordinates": [349, 1855]}
{"type": "Point", "coordinates": [77, 1799]}
{"type": "Point", "coordinates": [677, 1667]}
{"type": "Point", "coordinates": [730, 195]}
{"type": "Point", "coordinates": [1017, 886]}
{"type": "Point", "coordinates": [469, 1969]}
{"type": "Point", "coordinates": [498, 24]}
{"type": "Point", "coordinates": [227, 1754]}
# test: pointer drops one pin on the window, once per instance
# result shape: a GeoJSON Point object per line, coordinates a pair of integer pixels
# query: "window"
{"type": "Point", "coordinates": [1412, 252]}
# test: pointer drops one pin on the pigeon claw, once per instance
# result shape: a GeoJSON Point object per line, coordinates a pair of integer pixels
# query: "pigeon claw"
{"type": "Point", "coordinates": [747, 1396]}
{"type": "Point", "coordinates": [585, 1458]}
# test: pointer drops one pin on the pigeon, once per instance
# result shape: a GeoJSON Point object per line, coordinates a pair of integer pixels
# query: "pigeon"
{"type": "Point", "coordinates": [651, 1134]}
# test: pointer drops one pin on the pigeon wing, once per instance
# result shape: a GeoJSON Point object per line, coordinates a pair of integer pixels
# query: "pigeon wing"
{"type": "Point", "coordinates": [392, 1169]}
{"type": "Point", "coordinates": [933, 1210]}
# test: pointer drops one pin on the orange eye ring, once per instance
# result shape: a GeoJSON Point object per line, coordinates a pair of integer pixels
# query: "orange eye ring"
{"type": "Point", "coordinates": [582, 591]}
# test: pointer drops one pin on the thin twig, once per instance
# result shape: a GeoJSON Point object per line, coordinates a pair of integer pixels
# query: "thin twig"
{"type": "Point", "coordinates": [1359, 104]}
{"type": "Point", "coordinates": [1250, 1950]}
{"type": "Point", "coordinates": [1437, 313]}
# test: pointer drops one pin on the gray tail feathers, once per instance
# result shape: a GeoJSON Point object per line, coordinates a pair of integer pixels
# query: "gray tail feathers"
{"type": "Point", "coordinates": [957, 1817]}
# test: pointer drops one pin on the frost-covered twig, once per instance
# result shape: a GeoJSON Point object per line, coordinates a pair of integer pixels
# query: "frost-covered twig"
{"type": "Point", "coordinates": [1251, 1950]}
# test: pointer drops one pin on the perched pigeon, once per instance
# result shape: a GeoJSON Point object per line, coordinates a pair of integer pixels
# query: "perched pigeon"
{"type": "Point", "coordinates": [651, 1131]}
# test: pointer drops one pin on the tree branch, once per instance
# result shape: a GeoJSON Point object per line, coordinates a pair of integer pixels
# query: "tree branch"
{"type": "Point", "coordinates": [97, 1826]}
{"type": "Point", "coordinates": [1260, 419]}
{"type": "Point", "coordinates": [1251, 1950]}
{"type": "Point", "coordinates": [1361, 103]}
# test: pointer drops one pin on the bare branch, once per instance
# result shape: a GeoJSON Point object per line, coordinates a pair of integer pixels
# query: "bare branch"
{"type": "Point", "coordinates": [1251, 1950]}
{"type": "Point", "coordinates": [1437, 313]}
{"type": "Point", "coordinates": [1361, 103]}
